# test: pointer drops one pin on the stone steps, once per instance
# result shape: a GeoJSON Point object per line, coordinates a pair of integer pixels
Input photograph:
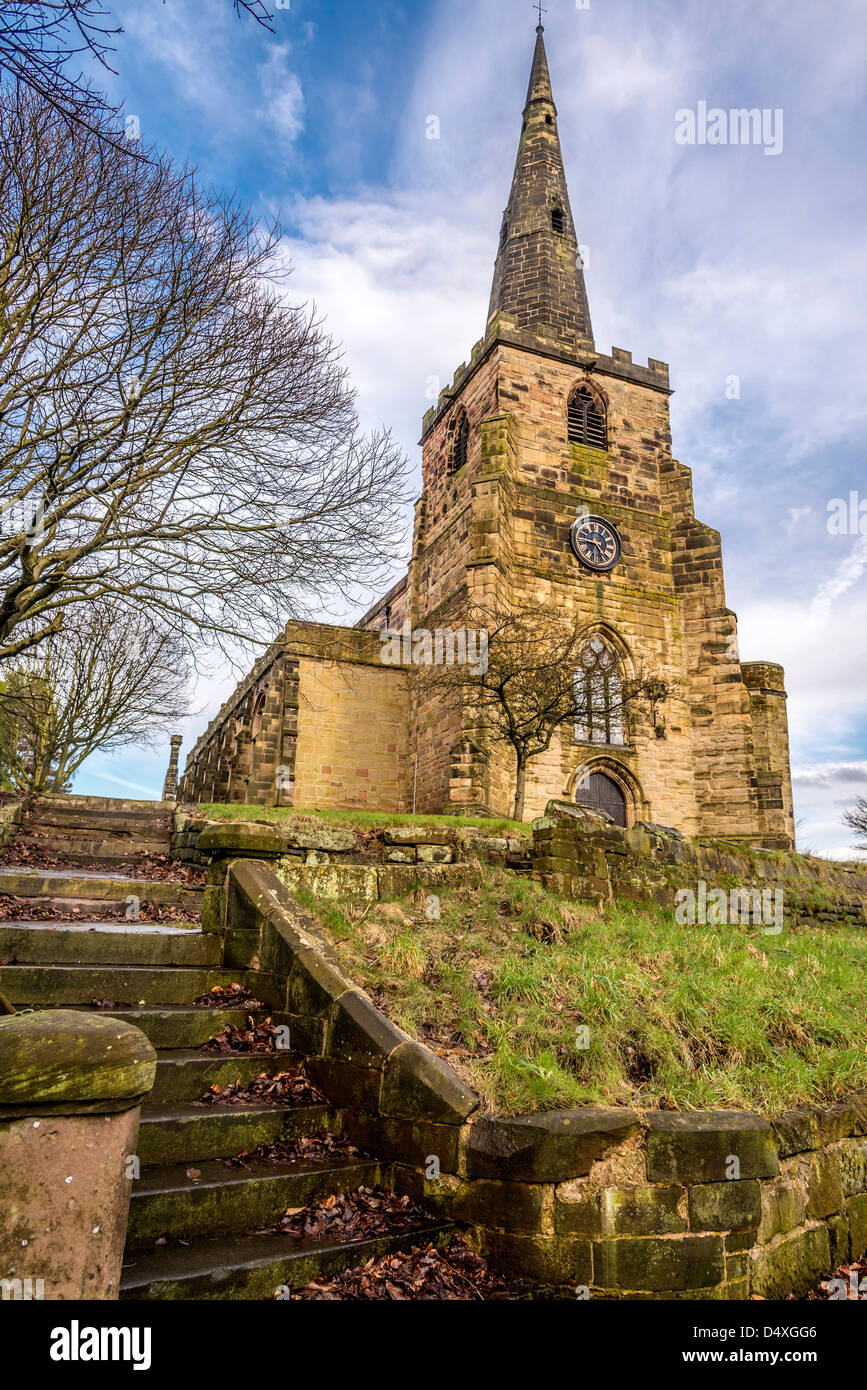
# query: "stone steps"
{"type": "Point", "coordinates": [180, 1027]}
{"type": "Point", "coordinates": [102, 894]}
{"type": "Point", "coordinates": [190, 1133]}
{"type": "Point", "coordinates": [186, 1074]}
{"type": "Point", "coordinates": [208, 1212]}
{"type": "Point", "coordinates": [94, 943]}
{"type": "Point", "coordinates": [86, 849]}
{"type": "Point", "coordinates": [256, 1267]}
{"type": "Point", "coordinates": [131, 985]}
{"type": "Point", "coordinates": [218, 1199]}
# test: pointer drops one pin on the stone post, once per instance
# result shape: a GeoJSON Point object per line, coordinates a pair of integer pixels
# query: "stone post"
{"type": "Point", "coordinates": [170, 787]}
{"type": "Point", "coordinates": [71, 1087]}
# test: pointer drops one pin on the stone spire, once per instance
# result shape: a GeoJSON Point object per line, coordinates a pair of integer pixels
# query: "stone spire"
{"type": "Point", "coordinates": [539, 278]}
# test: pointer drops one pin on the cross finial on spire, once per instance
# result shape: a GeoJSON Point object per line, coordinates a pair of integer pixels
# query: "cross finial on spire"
{"type": "Point", "coordinates": [537, 5]}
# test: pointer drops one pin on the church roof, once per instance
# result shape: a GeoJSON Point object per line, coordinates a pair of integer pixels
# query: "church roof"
{"type": "Point", "coordinates": [539, 276]}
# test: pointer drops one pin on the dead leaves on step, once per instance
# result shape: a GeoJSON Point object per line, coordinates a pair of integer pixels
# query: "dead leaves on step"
{"type": "Point", "coordinates": [14, 909]}
{"type": "Point", "coordinates": [313, 1149]}
{"type": "Point", "coordinates": [287, 1088]}
{"type": "Point", "coordinates": [230, 997]}
{"type": "Point", "coordinates": [160, 868]}
{"type": "Point", "coordinates": [454, 1275]}
{"type": "Point", "coordinates": [254, 1037]}
{"type": "Point", "coordinates": [358, 1215]}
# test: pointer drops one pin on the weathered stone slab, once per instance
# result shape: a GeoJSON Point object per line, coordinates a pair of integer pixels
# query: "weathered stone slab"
{"type": "Point", "coordinates": [59, 1056]}
{"type": "Point", "coordinates": [791, 1264]}
{"type": "Point", "coordinates": [634, 1211]}
{"type": "Point", "coordinates": [417, 835]}
{"type": "Point", "coordinates": [699, 1147]}
{"type": "Point", "coordinates": [551, 1147]}
{"type": "Point", "coordinates": [825, 1190]}
{"type": "Point", "coordinates": [784, 1207]}
{"type": "Point", "coordinates": [725, 1206]}
{"type": "Point", "coordinates": [359, 1033]}
{"type": "Point", "coordinates": [314, 984]}
{"type": "Point", "coordinates": [418, 1084]}
{"type": "Point", "coordinates": [660, 1263]}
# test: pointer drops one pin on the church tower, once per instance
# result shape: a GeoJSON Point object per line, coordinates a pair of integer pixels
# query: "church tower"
{"type": "Point", "coordinates": [548, 476]}
{"type": "Point", "coordinates": [538, 430]}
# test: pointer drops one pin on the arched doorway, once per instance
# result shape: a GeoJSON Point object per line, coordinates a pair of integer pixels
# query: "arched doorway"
{"type": "Point", "coordinates": [601, 793]}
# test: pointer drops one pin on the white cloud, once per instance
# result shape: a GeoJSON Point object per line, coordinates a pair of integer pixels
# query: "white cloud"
{"type": "Point", "coordinates": [847, 574]}
{"type": "Point", "coordinates": [282, 97]}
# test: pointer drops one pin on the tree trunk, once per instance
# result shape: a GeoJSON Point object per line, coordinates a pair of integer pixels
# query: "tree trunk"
{"type": "Point", "coordinates": [520, 790]}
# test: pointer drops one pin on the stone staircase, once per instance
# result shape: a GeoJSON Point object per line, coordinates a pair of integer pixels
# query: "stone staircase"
{"type": "Point", "coordinates": [95, 831]}
{"type": "Point", "coordinates": [199, 1224]}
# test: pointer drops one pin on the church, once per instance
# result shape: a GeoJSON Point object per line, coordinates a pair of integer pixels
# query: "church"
{"type": "Point", "coordinates": [547, 476]}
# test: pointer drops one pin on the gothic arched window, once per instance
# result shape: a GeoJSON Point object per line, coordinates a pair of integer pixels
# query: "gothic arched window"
{"type": "Point", "coordinates": [599, 696]}
{"type": "Point", "coordinates": [587, 423]}
{"type": "Point", "coordinates": [258, 711]}
{"type": "Point", "coordinates": [558, 221]}
{"type": "Point", "coordinates": [460, 442]}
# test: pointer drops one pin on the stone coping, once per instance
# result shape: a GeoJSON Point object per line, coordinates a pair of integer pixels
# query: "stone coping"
{"type": "Point", "coordinates": [65, 1061]}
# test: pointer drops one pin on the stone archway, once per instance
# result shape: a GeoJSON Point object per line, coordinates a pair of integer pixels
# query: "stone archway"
{"type": "Point", "coordinates": [600, 792]}
{"type": "Point", "coordinates": [604, 784]}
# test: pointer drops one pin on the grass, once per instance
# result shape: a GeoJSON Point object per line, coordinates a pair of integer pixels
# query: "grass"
{"type": "Point", "coordinates": [361, 820]}
{"type": "Point", "coordinates": [504, 982]}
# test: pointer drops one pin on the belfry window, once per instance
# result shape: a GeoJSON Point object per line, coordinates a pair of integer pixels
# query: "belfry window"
{"type": "Point", "coordinates": [558, 221]}
{"type": "Point", "coordinates": [460, 442]}
{"type": "Point", "coordinates": [599, 696]}
{"type": "Point", "coordinates": [587, 424]}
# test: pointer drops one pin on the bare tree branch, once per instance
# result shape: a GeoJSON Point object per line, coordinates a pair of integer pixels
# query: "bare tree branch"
{"type": "Point", "coordinates": [856, 819]}
{"type": "Point", "coordinates": [173, 434]}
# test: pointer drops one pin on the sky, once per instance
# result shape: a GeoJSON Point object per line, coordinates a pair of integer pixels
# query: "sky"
{"type": "Point", "coordinates": [745, 270]}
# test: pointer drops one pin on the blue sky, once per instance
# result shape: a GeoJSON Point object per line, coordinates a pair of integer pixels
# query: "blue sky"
{"type": "Point", "coordinates": [721, 260]}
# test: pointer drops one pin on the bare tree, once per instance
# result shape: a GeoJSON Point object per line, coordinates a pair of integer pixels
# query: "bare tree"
{"type": "Point", "coordinates": [107, 681]}
{"type": "Point", "coordinates": [856, 819]}
{"type": "Point", "coordinates": [174, 434]}
{"type": "Point", "coordinates": [530, 684]}
{"type": "Point", "coordinates": [42, 41]}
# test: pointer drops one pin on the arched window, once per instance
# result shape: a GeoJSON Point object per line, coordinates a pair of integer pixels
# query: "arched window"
{"type": "Point", "coordinates": [601, 793]}
{"type": "Point", "coordinates": [587, 423]}
{"type": "Point", "coordinates": [558, 221]}
{"type": "Point", "coordinates": [256, 725]}
{"type": "Point", "coordinates": [460, 441]}
{"type": "Point", "coordinates": [599, 696]}
{"type": "Point", "coordinates": [504, 232]}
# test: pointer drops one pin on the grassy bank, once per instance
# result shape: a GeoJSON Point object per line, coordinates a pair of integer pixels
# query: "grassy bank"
{"type": "Point", "coordinates": [506, 979]}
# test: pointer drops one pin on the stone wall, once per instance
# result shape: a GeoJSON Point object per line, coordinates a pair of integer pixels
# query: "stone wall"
{"type": "Point", "coordinates": [10, 820]}
{"type": "Point", "coordinates": [580, 855]}
{"type": "Point", "coordinates": [342, 864]}
{"type": "Point", "coordinates": [602, 1203]}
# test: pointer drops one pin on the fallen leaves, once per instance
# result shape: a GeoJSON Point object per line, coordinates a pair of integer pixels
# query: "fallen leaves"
{"type": "Point", "coordinates": [230, 997]}
{"type": "Point", "coordinates": [255, 1037]}
{"type": "Point", "coordinates": [354, 1216]}
{"type": "Point", "coordinates": [313, 1149]}
{"type": "Point", "coordinates": [452, 1275]}
{"type": "Point", "coordinates": [287, 1088]}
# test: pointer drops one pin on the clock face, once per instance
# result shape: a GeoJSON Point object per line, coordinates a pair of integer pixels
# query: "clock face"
{"type": "Point", "coordinates": [596, 543]}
